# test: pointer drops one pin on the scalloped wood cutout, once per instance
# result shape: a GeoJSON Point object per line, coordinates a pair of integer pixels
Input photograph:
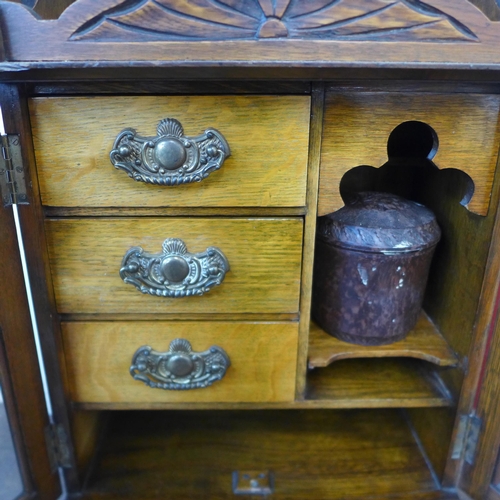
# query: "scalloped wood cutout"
{"type": "Point", "coordinates": [433, 32]}
{"type": "Point", "coordinates": [467, 127]}
{"type": "Point", "coordinates": [423, 342]}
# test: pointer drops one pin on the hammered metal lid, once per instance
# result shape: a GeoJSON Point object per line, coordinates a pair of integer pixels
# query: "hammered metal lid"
{"type": "Point", "coordinates": [380, 222]}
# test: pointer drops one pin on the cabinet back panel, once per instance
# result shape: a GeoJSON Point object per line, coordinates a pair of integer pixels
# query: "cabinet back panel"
{"type": "Point", "coordinates": [315, 455]}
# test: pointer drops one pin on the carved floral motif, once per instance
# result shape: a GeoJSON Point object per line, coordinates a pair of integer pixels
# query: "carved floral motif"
{"type": "Point", "coordinates": [167, 20]}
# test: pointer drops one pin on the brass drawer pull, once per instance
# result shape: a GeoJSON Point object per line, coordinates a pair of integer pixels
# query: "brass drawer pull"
{"type": "Point", "coordinates": [170, 158]}
{"type": "Point", "coordinates": [179, 368]}
{"type": "Point", "coordinates": [175, 272]}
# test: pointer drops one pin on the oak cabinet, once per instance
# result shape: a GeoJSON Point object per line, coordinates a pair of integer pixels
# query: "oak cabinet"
{"type": "Point", "coordinates": [173, 303]}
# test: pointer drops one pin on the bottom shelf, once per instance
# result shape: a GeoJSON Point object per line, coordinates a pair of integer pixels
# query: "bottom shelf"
{"type": "Point", "coordinates": [319, 454]}
{"type": "Point", "coordinates": [377, 383]}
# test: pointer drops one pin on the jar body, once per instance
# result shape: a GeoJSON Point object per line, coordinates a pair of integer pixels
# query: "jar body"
{"type": "Point", "coordinates": [368, 298]}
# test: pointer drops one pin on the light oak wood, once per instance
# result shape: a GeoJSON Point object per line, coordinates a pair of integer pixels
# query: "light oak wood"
{"type": "Point", "coordinates": [315, 455]}
{"type": "Point", "coordinates": [317, 107]}
{"type": "Point", "coordinates": [434, 428]}
{"type": "Point", "coordinates": [180, 317]}
{"type": "Point", "coordinates": [267, 135]}
{"type": "Point", "coordinates": [423, 342]}
{"type": "Point", "coordinates": [357, 127]}
{"type": "Point", "coordinates": [263, 360]}
{"type": "Point", "coordinates": [477, 243]}
{"type": "Point", "coordinates": [377, 383]}
{"type": "Point", "coordinates": [87, 430]}
{"type": "Point", "coordinates": [264, 256]}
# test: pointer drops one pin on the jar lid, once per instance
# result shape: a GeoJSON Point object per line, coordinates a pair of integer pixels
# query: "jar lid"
{"type": "Point", "coordinates": [380, 222]}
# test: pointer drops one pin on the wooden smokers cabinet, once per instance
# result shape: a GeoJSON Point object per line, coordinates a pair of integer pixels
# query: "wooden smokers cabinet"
{"type": "Point", "coordinates": [172, 293]}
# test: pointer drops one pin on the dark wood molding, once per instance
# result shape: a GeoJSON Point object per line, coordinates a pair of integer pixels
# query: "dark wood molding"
{"type": "Point", "coordinates": [434, 33]}
{"type": "Point", "coordinates": [31, 220]}
{"type": "Point", "coordinates": [19, 370]}
{"type": "Point", "coordinates": [52, 9]}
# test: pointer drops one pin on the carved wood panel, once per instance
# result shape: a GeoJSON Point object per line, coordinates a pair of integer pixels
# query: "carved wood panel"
{"type": "Point", "coordinates": [433, 32]}
{"type": "Point", "coordinates": [389, 20]}
{"type": "Point", "coordinates": [52, 9]}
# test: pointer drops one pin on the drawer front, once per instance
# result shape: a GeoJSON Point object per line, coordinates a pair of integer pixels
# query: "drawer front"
{"type": "Point", "coordinates": [264, 256]}
{"type": "Point", "coordinates": [99, 355]}
{"type": "Point", "coordinates": [267, 136]}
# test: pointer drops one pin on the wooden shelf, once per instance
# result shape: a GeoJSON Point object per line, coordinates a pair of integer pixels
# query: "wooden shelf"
{"type": "Point", "coordinates": [314, 455]}
{"type": "Point", "coordinates": [423, 342]}
{"type": "Point", "coordinates": [377, 383]}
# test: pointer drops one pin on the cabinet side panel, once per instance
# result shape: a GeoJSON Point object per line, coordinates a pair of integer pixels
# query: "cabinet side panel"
{"type": "Point", "coordinates": [31, 220]}
{"type": "Point", "coordinates": [21, 379]}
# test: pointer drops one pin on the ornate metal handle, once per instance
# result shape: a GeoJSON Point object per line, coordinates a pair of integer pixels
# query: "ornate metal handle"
{"type": "Point", "coordinates": [179, 368]}
{"type": "Point", "coordinates": [170, 158]}
{"type": "Point", "coordinates": [175, 272]}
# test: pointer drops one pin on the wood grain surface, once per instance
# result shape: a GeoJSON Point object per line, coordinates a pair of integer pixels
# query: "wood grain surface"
{"type": "Point", "coordinates": [51, 9]}
{"type": "Point", "coordinates": [434, 429]}
{"type": "Point", "coordinates": [87, 430]}
{"type": "Point", "coordinates": [176, 86]}
{"type": "Point", "coordinates": [456, 35]}
{"type": "Point", "coordinates": [53, 212]}
{"type": "Point", "coordinates": [357, 127]}
{"type": "Point", "coordinates": [317, 111]}
{"type": "Point", "coordinates": [317, 455]}
{"type": "Point", "coordinates": [264, 256]}
{"type": "Point", "coordinates": [174, 20]}
{"type": "Point", "coordinates": [27, 367]}
{"type": "Point", "coordinates": [423, 342]}
{"type": "Point", "coordinates": [267, 135]}
{"type": "Point", "coordinates": [263, 360]}
{"type": "Point", "coordinates": [475, 241]}
{"type": "Point", "coordinates": [476, 477]}
{"type": "Point", "coordinates": [376, 383]}
{"type": "Point", "coordinates": [21, 386]}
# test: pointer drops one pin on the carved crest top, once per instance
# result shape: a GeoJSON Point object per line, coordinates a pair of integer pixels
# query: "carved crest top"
{"type": "Point", "coordinates": [389, 20]}
{"type": "Point", "coordinates": [274, 32]}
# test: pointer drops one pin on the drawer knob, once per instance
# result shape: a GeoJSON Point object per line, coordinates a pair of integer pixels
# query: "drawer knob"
{"type": "Point", "coordinates": [179, 368]}
{"type": "Point", "coordinates": [170, 158]}
{"type": "Point", "coordinates": [175, 272]}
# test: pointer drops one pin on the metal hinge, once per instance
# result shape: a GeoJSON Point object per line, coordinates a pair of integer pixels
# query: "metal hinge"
{"type": "Point", "coordinates": [469, 428]}
{"type": "Point", "coordinates": [12, 181]}
{"type": "Point", "coordinates": [57, 446]}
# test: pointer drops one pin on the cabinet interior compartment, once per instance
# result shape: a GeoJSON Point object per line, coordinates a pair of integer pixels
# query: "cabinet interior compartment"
{"type": "Point", "coordinates": [407, 144]}
{"type": "Point", "coordinates": [355, 454]}
{"type": "Point", "coordinates": [363, 422]}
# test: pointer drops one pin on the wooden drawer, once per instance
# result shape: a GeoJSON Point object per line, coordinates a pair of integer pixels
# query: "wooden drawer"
{"type": "Point", "coordinates": [264, 257]}
{"type": "Point", "coordinates": [267, 135]}
{"type": "Point", "coordinates": [99, 355]}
